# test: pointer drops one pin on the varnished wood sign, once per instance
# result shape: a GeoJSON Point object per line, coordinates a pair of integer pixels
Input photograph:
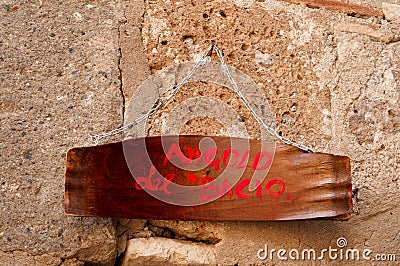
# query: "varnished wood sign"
{"type": "Point", "coordinates": [176, 177]}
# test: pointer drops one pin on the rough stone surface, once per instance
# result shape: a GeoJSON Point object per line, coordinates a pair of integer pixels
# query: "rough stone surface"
{"type": "Point", "coordinates": [24, 258]}
{"type": "Point", "coordinates": [377, 4]}
{"type": "Point", "coordinates": [391, 11]}
{"type": "Point", "coordinates": [332, 82]}
{"type": "Point", "coordinates": [127, 229]}
{"type": "Point", "coordinates": [247, 32]}
{"type": "Point", "coordinates": [162, 251]}
{"type": "Point", "coordinates": [59, 81]}
{"type": "Point", "coordinates": [374, 3]}
{"type": "Point", "coordinates": [133, 65]}
{"type": "Point", "coordinates": [206, 232]}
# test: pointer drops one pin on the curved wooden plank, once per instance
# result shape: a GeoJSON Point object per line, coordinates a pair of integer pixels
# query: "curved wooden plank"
{"type": "Point", "coordinates": [299, 185]}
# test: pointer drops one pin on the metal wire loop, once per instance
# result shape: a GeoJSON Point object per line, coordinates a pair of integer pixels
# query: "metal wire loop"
{"type": "Point", "coordinates": [163, 101]}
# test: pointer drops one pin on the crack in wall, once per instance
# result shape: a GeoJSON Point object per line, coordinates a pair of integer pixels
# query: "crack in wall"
{"type": "Point", "coordinates": [121, 85]}
{"type": "Point", "coordinates": [167, 232]}
{"type": "Point", "coordinates": [161, 231]}
{"type": "Point", "coordinates": [119, 259]}
{"type": "Point", "coordinates": [126, 63]}
{"type": "Point", "coordinates": [121, 90]}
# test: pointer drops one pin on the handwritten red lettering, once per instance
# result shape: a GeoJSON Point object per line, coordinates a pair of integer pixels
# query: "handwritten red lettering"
{"type": "Point", "coordinates": [145, 182]}
{"type": "Point", "coordinates": [167, 180]}
{"type": "Point", "coordinates": [208, 185]}
{"type": "Point", "coordinates": [175, 151]}
{"type": "Point", "coordinates": [215, 163]}
{"type": "Point", "coordinates": [239, 189]}
{"type": "Point", "coordinates": [193, 154]}
{"type": "Point", "coordinates": [154, 184]}
{"type": "Point", "coordinates": [209, 190]}
{"type": "Point", "coordinates": [191, 177]}
{"type": "Point", "coordinates": [226, 188]}
{"type": "Point", "coordinates": [244, 156]}
{"type": "Point", "coordinates": [259, 158]}
{"type": "Point", "coordinates": [209, 155]}
{"type": "Point", "coordinates": [275, 182]}
{"type": "Point", "coordinates": [258, 189]}
{"type": "Point", "coordinates": [232, 159]}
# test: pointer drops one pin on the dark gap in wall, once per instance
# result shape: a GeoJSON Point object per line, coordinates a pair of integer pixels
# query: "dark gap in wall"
{"type": "Point", "coordinates": [120, 259]}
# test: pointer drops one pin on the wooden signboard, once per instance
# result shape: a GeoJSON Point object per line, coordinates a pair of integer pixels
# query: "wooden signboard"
{"type": "Point", "coordinates": [297, 185]}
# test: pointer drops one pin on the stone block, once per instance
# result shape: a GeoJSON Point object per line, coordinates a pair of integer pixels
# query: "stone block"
{"type": "Point", "coordinates": [163, 251]}
{"type": "Point", "coordinates": [200, 231]}
{"type": "Point", "coordinates": [391, 11]}
{"type": "Point", "coordinates": [59, 83]}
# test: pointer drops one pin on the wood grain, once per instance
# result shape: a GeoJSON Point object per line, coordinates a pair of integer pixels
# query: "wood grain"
{"type": "Point", "coordinates": [348, 8]}
{"type": "Point", "coordinates": [98, 183]}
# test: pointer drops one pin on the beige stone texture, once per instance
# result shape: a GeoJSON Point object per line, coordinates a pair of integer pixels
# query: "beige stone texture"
{"type": "Point", "coordinates": [69, 69]}
{"type": "Point", "coordinates": [133, 64]}
{"type": "Point", "coordinates": [391, 11]}
{"type": "Point", "coordinates": [201, 231]}
{"type": "Point", "coordinates": [59, 82]}
{"type": "Point", "coordinates": [378, 4]}
{"type": "Point", "coordinates": [163, 251]}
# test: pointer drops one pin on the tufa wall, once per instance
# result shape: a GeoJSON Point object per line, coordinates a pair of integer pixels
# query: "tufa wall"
{"type": "Point", "coordinates": [331, 75]}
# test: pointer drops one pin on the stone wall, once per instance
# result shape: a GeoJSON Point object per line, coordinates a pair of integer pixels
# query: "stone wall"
{"type": "Point", "coordinates": [69, 69]}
